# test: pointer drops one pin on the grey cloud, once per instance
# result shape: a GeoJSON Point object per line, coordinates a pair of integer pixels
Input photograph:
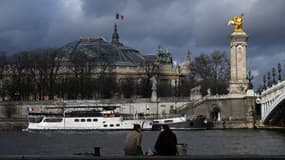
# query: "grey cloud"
{"type": "Point", "coordinates": [200, 26]}
{"type": "Point", "coordinates": [265, 22]}
{"type": "Point", "coordinates": [149, 5]}
{"type": "Point", "coordinates": [102, 8]}
{"type": "Point", "coordinates": [173, 23]}
{"type": "Point", "coordinates": [23, 23]}
{"type": "Point", "coordinates": [168, 23]}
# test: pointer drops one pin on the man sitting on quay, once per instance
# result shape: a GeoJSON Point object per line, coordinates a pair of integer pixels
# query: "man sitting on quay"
{"type": "Point", "coordinates": [133, 142]}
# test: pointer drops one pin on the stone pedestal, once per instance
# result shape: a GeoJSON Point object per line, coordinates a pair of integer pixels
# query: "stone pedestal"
{"type": "Point", "coordinates": [250, 92]}
{"type": "Point", "coordinates": [153, 96]}
{"type": "Point", "coordinates": [238, 81]}
{"type": "Point", "coordinates": [195, 93]}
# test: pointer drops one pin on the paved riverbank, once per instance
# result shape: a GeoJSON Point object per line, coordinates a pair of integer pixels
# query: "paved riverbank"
{"type": "Point", "coordinates": [196, 157]}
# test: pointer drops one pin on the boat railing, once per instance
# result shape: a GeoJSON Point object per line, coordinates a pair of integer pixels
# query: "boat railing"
{"type": "Point", "coordinates": [149, 116]}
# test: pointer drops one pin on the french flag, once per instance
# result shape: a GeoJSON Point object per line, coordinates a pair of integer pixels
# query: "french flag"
{"type": "Point", "coordinates": [119, 17]}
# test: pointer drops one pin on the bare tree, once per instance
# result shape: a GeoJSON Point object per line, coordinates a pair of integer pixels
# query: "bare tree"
{"type": "Point", "coordinates": [3, 63]}
{"type": "Point", "coordinates": [20, 79]}
{"type": "Point", "coordinates": [3, 66]}
{"type": "Point", "coordinates": [187, 83]}
{"type": "Point", "coordinates": [151, 68]}
{"type": "Point", "coordinates": [128, 87]}
{"type": "Point", "coordinates": [81, 69]}
{"type": "Point", "coordinates": [54, 59]}
{"type": "Point", "coordinates": [212, 71]}
{"type": "Point", "coordinates": [106, 77]}
{"type": "Point", "coordinates": [47, 64]}
{"type": "Point", "coordinates": [41, 66]}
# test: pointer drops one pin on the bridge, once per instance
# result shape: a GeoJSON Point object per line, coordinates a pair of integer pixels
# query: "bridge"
{"type": "Point", "coordinates": [272, 102]}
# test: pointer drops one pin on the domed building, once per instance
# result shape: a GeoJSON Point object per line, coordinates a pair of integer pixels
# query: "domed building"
{"type": "Point", "coordinates": [125, 63]}
{"type": "Point", "coordinates": [92, 68]}
{"type": "Point", "coordinates": [115, 53]}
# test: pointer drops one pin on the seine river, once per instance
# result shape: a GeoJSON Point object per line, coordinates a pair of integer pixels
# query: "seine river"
{"type": "Point", "coordinates": [200, 142]}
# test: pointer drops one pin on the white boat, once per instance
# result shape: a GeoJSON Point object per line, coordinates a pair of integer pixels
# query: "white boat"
{"type": "Point", "coordinates": [172, 122]}
{"type": "Point", "coordinates": [95, 119]}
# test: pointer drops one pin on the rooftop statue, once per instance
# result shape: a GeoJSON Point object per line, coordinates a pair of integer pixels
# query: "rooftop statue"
{"type": "Point", "coordinates": [237, 21]}
{"type": "Point", "coordinates": [164, 55]}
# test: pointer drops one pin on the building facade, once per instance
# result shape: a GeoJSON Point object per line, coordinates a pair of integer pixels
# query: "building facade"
{"type": "Point", "coordinates": [97, 57]}
{"type": "Point", "coordinates": [125, 62]}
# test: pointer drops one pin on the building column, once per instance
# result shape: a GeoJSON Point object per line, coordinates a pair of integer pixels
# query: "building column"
{"type": "Point", "coordinates": [238, 81]}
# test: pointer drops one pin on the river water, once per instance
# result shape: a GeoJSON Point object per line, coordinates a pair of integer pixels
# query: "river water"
{"type": "Point", "coordinates": [200, 142]}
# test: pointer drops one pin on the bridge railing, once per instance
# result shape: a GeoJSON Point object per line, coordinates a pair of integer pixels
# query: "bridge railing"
{"type": "Point", "coordinates": [270, 98]}
{"type": "Point", "coordinates": [274, 88]}
{"type": "Point", "coordinates": [274, 101]}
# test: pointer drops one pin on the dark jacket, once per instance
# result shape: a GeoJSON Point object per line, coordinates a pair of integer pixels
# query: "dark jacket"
{"type": "Point", "coordinates": [166, 143]}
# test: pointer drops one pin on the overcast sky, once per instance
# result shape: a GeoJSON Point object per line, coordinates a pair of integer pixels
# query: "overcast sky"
{"type": "Point", "coordinates": [198, 25]}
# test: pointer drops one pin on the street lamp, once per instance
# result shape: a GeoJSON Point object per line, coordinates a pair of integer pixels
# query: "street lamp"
{"type": "Point", "coordinates": [279, 72]}
{"type": "Point", "coordinates": [268, 79]}
{"type": "Point", "coordinates": [264, 81]}
{"type": "Point", "coordinates": [273, 75]}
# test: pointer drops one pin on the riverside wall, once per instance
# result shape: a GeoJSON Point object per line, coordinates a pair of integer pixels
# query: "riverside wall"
{"type": "Point", "coordinates": [14, 114]}
{"type": "Point", "coordinates": [229, 111]}
{"type": "Point", "coordinates": [235, 111]}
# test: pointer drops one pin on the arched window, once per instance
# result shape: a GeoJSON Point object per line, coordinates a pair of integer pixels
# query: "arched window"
{"type": "Point", "coordinates": [215, 113]}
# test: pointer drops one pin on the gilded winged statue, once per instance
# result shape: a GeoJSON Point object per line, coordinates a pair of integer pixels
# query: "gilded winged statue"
{"type": "Point", "coordinates": [237, 21]}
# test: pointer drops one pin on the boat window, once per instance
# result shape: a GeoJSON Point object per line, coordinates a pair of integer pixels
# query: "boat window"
{"type": "Point", "coordinates": [155, 122]}
{"type": "Point", "coordinates": [76, 120]}
{"type": "Point", "coordinates": [111, 125]}
{"type": "Point", "coordinates": [105, 125]}
{"type": "Point", "coordinates": [104, 121]}
{"type": "Point", "coordinates": [95, 120]}
{"type": "Point", "coordinates": [117, 125]}
{"type": "Point", "coordinates": [82, 120]}
{"type": "Point", "coordinates": [89, 113]}
{"type": "Point", "coordinates": [35, 119]}
{"type": "Point", "coordinates": [88, 120]}
{"type": "Point", "coordinates": [53, 119]}
{"type": "Point", "coordinates": [168, 121]}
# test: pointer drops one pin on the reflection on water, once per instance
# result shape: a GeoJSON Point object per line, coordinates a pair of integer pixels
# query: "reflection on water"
{"type": "Point", "coordinates": [206, 142]}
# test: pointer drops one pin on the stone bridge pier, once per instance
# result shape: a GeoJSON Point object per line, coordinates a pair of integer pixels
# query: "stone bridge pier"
{"type": "Point", "coordinates": [237, 111]}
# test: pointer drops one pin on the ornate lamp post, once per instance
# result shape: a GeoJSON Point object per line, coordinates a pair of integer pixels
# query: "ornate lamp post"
{"type": "Point", "coordinates": [264, 81]}
{"type": "Point", "coordinates": [268, 79]}
{"type": "Point", "coordinates": [249, 77]}
{"type": "Point", "coordinates": [279, 72]}
{"type": "Point", "coordinates": [273, 75]}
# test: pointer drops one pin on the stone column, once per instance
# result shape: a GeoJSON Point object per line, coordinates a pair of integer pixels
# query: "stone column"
{"type": "Point", "coordinates": [153, 88]}
{"type": "Point", "coordinates": [238, 81]}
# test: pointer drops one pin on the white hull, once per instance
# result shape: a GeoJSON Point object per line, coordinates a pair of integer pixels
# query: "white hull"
{"type": "Point", "coordinates": [89, 123]}
{"type": "Point", "coordinates": [173, 123]}
{"type": "Point", "coordinates": [174, 120]}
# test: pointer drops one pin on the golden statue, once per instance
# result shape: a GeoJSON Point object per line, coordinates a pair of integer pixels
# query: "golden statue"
{"type": "Point", "coordinates": [236, 21]}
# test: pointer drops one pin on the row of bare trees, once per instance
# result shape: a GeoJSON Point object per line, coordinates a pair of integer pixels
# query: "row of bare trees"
{"type": "Point", "coordinates": [33, 73]}
{"type": "Point", "coordinates": [48, 73]}
{"type": "Point", "coordinates": [51, 73]}
{"type": "Point", "coordinates": [212, 71]}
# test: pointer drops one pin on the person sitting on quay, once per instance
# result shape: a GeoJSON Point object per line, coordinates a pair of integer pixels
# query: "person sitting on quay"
{"type": "Point", "coordinates": [133, 142]}
{"type": "Point", "coordinates": [166, 142]}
